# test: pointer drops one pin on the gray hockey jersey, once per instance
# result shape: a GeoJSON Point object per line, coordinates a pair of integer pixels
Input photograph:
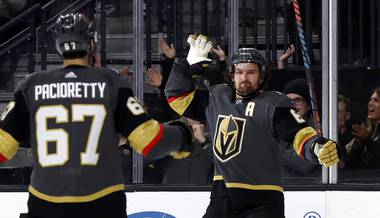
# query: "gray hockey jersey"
{"type": "Point", "coordinates": [74, 117]}
{"type": "Point", "coordinates": [246, 133]}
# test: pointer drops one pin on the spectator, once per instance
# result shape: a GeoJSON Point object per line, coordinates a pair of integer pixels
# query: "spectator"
{"type": "Point", "coordinates": [364, 150]}
{"type": "Point", "coordinates": [344, 128]}
{"type": "Point", "coordinates": [296, 90]}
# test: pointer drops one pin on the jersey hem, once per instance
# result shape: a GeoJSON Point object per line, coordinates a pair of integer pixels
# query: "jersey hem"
{"type": "Point", "coordinates": [254, 187]}
{"type": "Point", "coordinates": [76, 199]}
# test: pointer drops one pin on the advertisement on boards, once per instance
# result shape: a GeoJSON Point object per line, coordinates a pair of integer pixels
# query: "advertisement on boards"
{"type": "Point", "coordinates": [305, 204]}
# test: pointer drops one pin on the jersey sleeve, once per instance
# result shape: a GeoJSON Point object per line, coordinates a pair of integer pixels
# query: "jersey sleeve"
{"type": "Point", "coordinates": [14, 126]}
{"type": "Point", "coordinates": [215, 73]}
{"type": "Point", "coordinates": [183, 96]}
{"type": "Point", "coordinates": [146, 135]}
{"type": "Point", "coordinates": [289, 127]}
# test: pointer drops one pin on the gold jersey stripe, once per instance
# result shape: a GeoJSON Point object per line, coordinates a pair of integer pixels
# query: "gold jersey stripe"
{"type": "Point", "coordinates": [301, 138]}
{"type": "Point", "coordinates": [218, 177]}
{"type": "Point", "coordinates": [76, 199]}
{"type": "Point", "coordinates": [144, 134]}
{"type": "Point", "coordinates": [8, 145]}
{"type": "Point", "coordinates": [181, 103]}
{"type": "Point", "coordinates": [254, 187]}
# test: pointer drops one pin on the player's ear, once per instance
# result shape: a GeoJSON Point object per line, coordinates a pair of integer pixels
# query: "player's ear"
{"type": "Point", "coordinates": [231, 75]}
{"type": "Point", "coordinates": [261, 79]}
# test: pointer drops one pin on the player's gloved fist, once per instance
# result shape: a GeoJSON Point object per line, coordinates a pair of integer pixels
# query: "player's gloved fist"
{"type": "Point", "coordinates": [197, 57]}
{"type": "Point", "coordinates": [326, 151]}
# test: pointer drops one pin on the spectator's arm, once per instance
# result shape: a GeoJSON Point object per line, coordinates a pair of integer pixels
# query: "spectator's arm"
{"type": "Point", "coordinates": [282, 61]}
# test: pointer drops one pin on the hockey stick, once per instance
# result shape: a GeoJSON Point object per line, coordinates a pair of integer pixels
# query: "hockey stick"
{"type": "Point", "coordinates": [307, 65]}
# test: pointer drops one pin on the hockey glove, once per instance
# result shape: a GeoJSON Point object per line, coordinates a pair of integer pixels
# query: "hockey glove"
{"type": "Point", "coordinates": [197, 57]}
{"type": "Point", "coordinates": [326, 151]}
{"type": "Point", "coordinates": [187, 132]}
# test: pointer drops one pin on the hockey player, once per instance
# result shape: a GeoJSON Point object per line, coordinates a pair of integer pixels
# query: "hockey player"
{"type": "Point", "coordinates": [248, 125]}
{"type": "Point", "coordinates": [73, 116]}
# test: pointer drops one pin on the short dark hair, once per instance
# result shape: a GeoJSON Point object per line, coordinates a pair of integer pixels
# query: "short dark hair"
{"type": "Point", "coordinates": [80, 54]}
{"type": "Point", "coordinates": [346, 101]}
{"type": "Point", "coordinates": [377, 90]}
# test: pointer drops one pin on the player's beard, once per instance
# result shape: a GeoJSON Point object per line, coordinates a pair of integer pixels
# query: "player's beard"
{"type": "Point", "coordinates": [245, 88]}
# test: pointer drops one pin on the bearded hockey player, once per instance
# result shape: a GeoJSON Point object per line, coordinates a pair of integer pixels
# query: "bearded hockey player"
{"type": "Point", "coordinates": [248, 124]}
{"type": "Point", "coordinates": [74, 116]}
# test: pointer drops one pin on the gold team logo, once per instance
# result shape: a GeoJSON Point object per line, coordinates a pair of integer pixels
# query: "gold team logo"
{"type": "Point", "coordinates": [228, 137]}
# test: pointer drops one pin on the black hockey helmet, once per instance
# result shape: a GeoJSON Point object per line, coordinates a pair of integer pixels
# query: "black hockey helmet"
{"type": "Point", "coordinates": [73, 34]}
{"type": "Point", "coordinates": [251, 55]}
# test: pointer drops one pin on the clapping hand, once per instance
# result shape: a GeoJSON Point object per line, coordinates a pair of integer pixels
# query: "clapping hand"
{"type": "Point", "coordinates": [284, 57]}
{"type": "Point", "coordinates": [219, 52]}
{"type": "Point", "coordinates": [360, 131]}
{"type": "Point", "coordinates": [155, 77]}
{"type": "Point", "coordinates": [169, 51]}
{"type": "Point", "coordinates": [199, 132]}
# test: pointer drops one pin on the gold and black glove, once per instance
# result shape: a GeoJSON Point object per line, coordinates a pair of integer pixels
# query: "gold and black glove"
{"type": "Point", "coordinates": [326, 151]}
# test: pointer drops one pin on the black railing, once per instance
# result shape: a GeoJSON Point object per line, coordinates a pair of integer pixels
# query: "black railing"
{"type": "Point", "coordinates": [30, 33]}
{"type": "Point", "coordinates": [26, 34]}
{"type": "Point", "coordinates": [267, 25]}
{"type": "Point", "coordinates": [19, 18]}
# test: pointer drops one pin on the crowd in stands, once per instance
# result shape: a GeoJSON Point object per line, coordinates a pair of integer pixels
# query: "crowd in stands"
{"type": "Point", "coordinates": [359, 143]}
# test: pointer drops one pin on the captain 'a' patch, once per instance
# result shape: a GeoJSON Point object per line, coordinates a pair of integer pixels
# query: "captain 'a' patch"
{"type": "Point", "coordinates": [228, 137]}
